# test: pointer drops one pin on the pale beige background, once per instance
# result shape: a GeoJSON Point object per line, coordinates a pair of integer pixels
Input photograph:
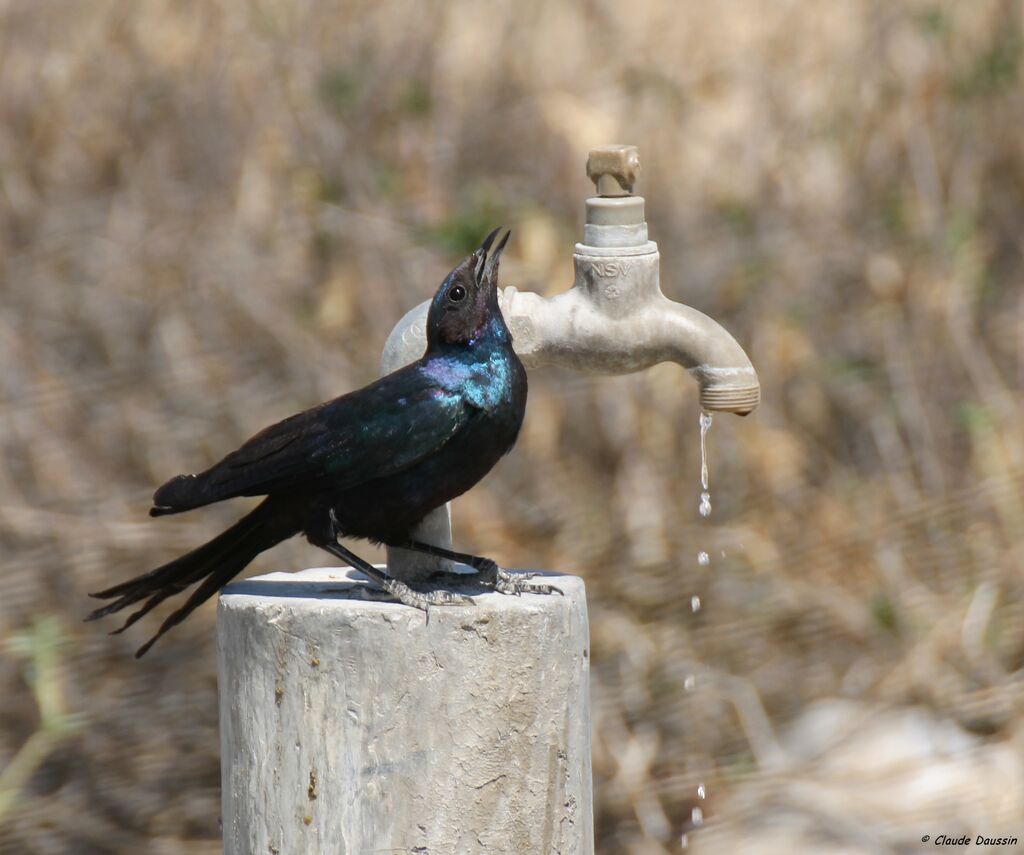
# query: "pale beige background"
{"type": "Point", "coordinates": [211, 214]}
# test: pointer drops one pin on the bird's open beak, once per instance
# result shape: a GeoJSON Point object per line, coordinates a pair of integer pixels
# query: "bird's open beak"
{"type": "Point", "coordinates": [489, 274]}
{"type": "Point", "coordinates": [480, 256]}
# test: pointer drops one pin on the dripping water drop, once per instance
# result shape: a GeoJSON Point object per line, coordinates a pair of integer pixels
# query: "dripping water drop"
{"type": "Point", "coordinates": [705, 426]}
{"type": "Point", "coordinates": [705, 496]}
{"type": "Point", "coordinates": [703, 559]}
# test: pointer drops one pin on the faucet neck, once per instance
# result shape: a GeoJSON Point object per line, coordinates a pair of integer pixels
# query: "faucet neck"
{"type": "Point", "coordinates": [616, 265]}
{"type": "Point", "coordinates": [618, 282]}
{"type": "Point", "coordinates": [615, 221]}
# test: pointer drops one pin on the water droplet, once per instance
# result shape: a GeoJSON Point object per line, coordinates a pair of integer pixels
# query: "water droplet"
{"type": "Point", "coordinates": [697, 816]}
{"type": "Point", "coordinates": [695, 604]}
{"type": "Point", "coordinates": [690, 683]}
{"type": "Point", "coordinates": [705, 504]}
{"type": "Point", "coordinates": [705, 426]}
{"type": "Point", "coordinates": [703, 559]}
{"type": "Point", "coordinates": [701, 792]}
{"type": "Point", "coordinates": [684, 842]}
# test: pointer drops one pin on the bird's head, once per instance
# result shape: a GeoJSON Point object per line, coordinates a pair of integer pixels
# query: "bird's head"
{"type": "Point", "coordinates": [467, 302]}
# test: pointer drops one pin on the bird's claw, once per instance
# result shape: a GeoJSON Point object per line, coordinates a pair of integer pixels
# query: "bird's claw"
{"type": "Point", "coordinates": [378, 591]}
{"type": "Point", "coordinates": [513, 584]}
{"type": "Point", "coordinates": [517, 584]}
{"type": "Point", "coordinates": [489, 575]}
{"type": "Point", "coordinates": [424, 599]}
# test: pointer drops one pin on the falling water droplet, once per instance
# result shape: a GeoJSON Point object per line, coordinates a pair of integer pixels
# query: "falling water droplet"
{"type": "Point", "coordinates": [705, 426]}
{"type": "Point", "coordinates": [705, 496]}
{"type": "Point", "coordinates": [703, 559]}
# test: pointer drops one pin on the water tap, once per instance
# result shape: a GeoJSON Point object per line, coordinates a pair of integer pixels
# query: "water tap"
{"type": "Point", "coordinates": [613, 320]}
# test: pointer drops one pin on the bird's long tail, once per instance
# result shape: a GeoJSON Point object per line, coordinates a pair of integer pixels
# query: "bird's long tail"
{"type": "Point", "coordinates": [213, 564]}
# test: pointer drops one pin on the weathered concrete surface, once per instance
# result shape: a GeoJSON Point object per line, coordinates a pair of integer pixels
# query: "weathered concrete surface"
{"type": "Point", "coordinates": [350, 726]}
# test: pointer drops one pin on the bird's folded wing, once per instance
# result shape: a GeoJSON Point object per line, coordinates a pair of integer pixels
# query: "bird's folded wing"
{"type": "Point", "coordinates": [373, 432]}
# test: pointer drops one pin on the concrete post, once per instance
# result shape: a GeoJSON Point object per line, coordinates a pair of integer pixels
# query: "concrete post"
{"type": "Point", "coordinates": [354, 726]}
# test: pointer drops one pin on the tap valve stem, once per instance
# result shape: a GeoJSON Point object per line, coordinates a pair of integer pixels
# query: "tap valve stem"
{"type": "Point", "coordinates": [615, 217]}
{"type": "Point", "coordinates": [614, 169]}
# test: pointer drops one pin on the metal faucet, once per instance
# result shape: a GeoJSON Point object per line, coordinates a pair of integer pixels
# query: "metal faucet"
{"type": "Point", "coordinates": [614, 320]}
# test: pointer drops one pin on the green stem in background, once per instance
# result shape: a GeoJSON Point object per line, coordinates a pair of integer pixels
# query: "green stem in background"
{"type": "Point", "coordinates": [40, 645]}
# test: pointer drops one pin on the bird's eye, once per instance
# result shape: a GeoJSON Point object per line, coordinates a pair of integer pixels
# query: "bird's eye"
{"type": "Point", "coordinates": [456, 293]}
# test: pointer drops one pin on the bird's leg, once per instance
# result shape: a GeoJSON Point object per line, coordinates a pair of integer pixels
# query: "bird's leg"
{"type": "Point", "coordinates": [398, 589]}
{"type": "Point", "coordinates": [487, 570]}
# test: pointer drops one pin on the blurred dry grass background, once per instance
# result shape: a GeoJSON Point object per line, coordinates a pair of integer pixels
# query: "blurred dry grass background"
{"type": "Point", "coordinates": [213, 211]}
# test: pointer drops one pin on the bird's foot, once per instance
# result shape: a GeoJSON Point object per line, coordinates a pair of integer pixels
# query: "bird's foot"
{"type": "Point", "coordinates": [507, 582]}
{"type": "Point", "coordinates": [424, 599]}
{"type": "Point", "coordinates": [488, 573]}
{"type": "Point", "coordinates": [378, 592]}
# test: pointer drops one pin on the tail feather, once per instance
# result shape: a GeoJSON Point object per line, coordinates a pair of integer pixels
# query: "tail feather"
{"type": "Point", "coordinates": [176, 572]}
{"type": "Point", "coordinates": [214, 582]}
{"type": "Point", "coordinates": [213, 564]}
{"type": "Point", "coordinates": [146, 608]}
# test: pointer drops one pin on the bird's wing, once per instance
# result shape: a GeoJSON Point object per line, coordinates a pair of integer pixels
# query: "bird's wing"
{"type": "Point", "coordinates": [376, 431]}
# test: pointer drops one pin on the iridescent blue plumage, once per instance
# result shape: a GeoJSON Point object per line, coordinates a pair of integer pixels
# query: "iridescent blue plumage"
{"type": "Point", "coordinates": [370, 464]}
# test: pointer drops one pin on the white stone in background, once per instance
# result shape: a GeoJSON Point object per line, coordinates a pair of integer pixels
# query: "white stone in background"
{"type": "Point", "coordinates": [350, 726]}
{"type": "Point", "coordinates": [861, 778]}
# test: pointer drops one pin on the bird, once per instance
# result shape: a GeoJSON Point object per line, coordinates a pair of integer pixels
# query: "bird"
{"type": "Point", "coordinates": [368, 465]}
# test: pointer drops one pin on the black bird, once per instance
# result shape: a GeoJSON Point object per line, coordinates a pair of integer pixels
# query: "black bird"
{"type": "Point", "coordinates": [370, 464]}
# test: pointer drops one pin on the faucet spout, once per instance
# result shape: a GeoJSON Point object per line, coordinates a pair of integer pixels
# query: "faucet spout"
{"type": "Point", "coordinates": [727, 379]}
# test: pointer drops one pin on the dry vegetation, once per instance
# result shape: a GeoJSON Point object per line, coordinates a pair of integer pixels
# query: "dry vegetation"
{"type": "Point", "coordinates": [211, 214]}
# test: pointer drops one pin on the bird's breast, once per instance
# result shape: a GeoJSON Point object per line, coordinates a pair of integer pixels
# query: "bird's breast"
{"type": "Point", "coordinates": [491, 381]}
{"type": "Point", "coordinates": [490, 385]}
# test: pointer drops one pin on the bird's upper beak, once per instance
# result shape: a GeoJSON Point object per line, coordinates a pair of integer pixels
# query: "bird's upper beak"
{"type": "Point", "coordinates": [487, 262]}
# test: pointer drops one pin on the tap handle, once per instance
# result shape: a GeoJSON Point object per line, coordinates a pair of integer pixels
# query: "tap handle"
{"type": "Point", "coordinates": [614, 169]}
